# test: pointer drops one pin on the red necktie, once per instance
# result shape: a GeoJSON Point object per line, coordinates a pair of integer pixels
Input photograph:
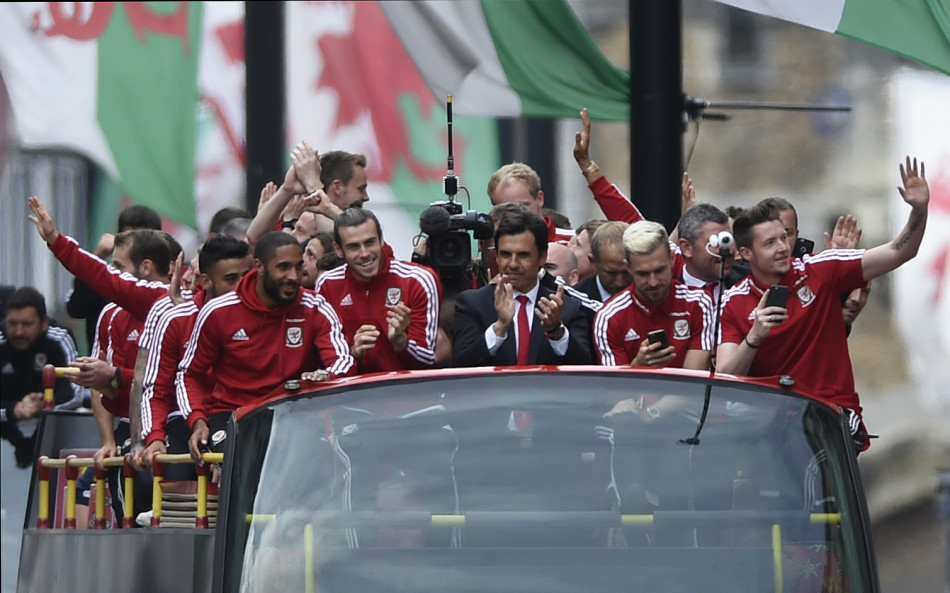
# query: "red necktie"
{"type": "Point", "coordinates": [524, 332]}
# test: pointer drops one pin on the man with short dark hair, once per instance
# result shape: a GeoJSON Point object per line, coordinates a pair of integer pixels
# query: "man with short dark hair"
{"type": "Point", "coordinates": [222, 217]}
{"type": "Point", "coordinates": [27, 344]}
{"type": "Point", "coordinates": [519, 321]}
{"type": "Point", "coordinates": [224, 261]}
{"type": "Point", "coordinates": [389, 308]}
{"type": "Point", "coordinates": [697, 265]}
{"type": "Point", "coordinates": [247, 342]}
{"type": "Point", "coordinates": [806, 338]}
{"type": "Point", "coordinates": [83, 302]}
{"type": "Point", "coordinates": [344, 178]}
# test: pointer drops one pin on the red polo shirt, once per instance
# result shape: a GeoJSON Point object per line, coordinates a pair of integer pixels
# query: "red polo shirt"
{"type": "Point", "coordinates": [811, 345]}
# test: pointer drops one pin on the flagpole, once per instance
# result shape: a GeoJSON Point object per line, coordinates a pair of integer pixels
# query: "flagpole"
{"type": "Point", "coordinates": [265, 146]}
{"type": "Point", "coordinates": [656, 108]}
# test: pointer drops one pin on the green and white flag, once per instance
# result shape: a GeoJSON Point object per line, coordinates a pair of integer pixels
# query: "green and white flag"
{"type": "Point", "coordinates": [529, 58]}
{"type": "Point", "coordinates": [116, 82]}
{"type": "Point", "coordinates": [915, 29]}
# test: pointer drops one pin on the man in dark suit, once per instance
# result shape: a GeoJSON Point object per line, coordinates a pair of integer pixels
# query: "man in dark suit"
{"type": "Point", "coordinates": [611, 273]}
{"type": "Point", "coordinates": [490, 321]}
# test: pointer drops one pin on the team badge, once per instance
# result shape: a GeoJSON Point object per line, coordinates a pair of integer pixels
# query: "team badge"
{"type": "Point", "coordinates": [393, 296]}
{"type": "Point", "coordinates": [805, 295]}
{"type": "Point", "coordinates": [39, 361]}
{"type": "Point", "coordinates": [218, 436]}
{"type": "Point", "coordinates": [681, 328]}
{"type": "Point", "coordinates": [294, 337]}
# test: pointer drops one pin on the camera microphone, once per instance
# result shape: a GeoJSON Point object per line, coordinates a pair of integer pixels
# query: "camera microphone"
{"type": "Point", "coordinates": [435, 220]}
{"type": "Point", "coordinates": [723, 242]}
{"type": "Point", "coordinates": [450, 183]}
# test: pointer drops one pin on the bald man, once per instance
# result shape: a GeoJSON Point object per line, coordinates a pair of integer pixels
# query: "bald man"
{"type": "Point", "coordinates": [562, 262]}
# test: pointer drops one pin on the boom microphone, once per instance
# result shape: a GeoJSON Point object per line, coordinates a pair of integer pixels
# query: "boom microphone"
{"type": "Point", "coordinates": [435, 220]}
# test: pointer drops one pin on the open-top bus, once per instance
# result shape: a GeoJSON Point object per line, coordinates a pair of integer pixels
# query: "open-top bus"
{"type": "Point", "coordinates": [494, 480]}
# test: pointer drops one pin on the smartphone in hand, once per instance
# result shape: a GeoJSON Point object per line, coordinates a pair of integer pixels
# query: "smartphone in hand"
{"type": "Point", "coordinates": [778, 296]}
{"type": "Point", "coordinates": [803, 247]}
{"type": "Point", "coordinates": [658, 336]}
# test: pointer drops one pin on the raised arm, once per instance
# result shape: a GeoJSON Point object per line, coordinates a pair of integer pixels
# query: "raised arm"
{"type": "Point", "coordinates": [915, 191]}
{"type": "Point", "coordinates": [267, 216]}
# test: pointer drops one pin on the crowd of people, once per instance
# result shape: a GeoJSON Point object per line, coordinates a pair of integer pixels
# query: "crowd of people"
{"type": "Point", "coordinates": [308, 289]}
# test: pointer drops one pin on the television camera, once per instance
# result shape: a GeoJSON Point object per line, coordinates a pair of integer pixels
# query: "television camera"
{"type": "Point", "coordinates": [448, 249]}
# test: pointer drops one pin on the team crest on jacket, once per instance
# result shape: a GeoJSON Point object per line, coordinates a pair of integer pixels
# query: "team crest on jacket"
{"type": "Point", "coordinates": [805, 295]}
{"type": "Point", "coordinates": [294, 337]}
{"type": "Point", "coordinates": [39, 361]}
{"type": "Point", "coordinates": [393, 296]}
{"type": "Point", "coordinates": [681, 328]}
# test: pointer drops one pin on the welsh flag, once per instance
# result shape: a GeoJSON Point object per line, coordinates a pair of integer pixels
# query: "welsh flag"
{"type": "Point", "coordinates": [915, 29]}
{"type": "Point", "coordinates": [531, 58]}
{"type": "Point", "coordinates": [114, 81]}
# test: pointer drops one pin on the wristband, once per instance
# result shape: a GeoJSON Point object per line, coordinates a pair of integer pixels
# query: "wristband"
{"type": "Point", "coordinates": [749, 344]}
{"type": "Point", "coordinates": [556, 334]}
{"type": "Point", "coordinates": [591, 168]}
{"type": "Point", "coordinates": [289, 224]}
{"type": "Point", "coordinates": [116, 381]}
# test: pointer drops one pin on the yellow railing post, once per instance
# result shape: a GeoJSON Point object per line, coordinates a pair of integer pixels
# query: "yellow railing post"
{"type": "Point", "coordinates": [128, 508]}
{"type": "Point", "coordinates": [201, 520]}
{"type": "Point", "coordinates": [158, 474]}
{"type": "Point", "coordinates": [777, 558]}
{"type": "Point", "coordinates": [100, 520]}
{"type": "Point", "coordinates": [72, 474]}
{"type": "Point", "coordinates": [43, 473]}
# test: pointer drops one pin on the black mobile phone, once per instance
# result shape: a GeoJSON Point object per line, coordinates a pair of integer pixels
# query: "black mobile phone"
{"type": "Point", "coordinates": [658, 336]}
{"type": "Point", "coordinates": [803, 247]}
{"type": "Point", "coordinates": [778, 296]}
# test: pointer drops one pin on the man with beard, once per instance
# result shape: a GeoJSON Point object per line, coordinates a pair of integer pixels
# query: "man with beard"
{"type": "Point", "coordinates": [389, 308]}
{"type": "Point", "coordinates": [805, 338]}
{"type": "Point", "coordinates": [655, 301]}
{"type": "Point", "coordinates": [246, 343]}
{"type": "Point", "coordinates": [223, 261]}
{"type": "Point", "coordinates": [27, 344]}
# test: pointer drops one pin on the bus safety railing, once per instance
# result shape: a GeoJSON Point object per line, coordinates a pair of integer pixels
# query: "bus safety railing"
{"type": "Point", "coordinates": [73, 464]}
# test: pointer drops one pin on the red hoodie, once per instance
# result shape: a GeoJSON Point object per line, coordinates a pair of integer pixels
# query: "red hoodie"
{"type": "Point", "coordinates": [250, 349]}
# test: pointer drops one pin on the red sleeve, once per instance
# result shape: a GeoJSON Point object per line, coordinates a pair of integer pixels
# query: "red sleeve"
{"type": "Point", "coordinates": [194, 389]}
{"type": "Point", "coordinates": [425, 296]}
{"type": "Point", "coordinates": [134, 295]}
{"type": "Point", "coordinates": [607, 339]}
{"type": "Point", "coordinates": [330, 341]}
{"type": "Point", "coordinates": [158, 393]}
{"type": "Point", "coordinates": [611, 200]}
{"type": "Point", "coordinates": [102, 332]}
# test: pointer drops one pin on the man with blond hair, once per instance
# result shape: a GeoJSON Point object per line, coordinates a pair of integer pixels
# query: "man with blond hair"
{"type": "Point", "coordinates": [655, 301]}
{"type": "Point", "coordinates": [519, 183]}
